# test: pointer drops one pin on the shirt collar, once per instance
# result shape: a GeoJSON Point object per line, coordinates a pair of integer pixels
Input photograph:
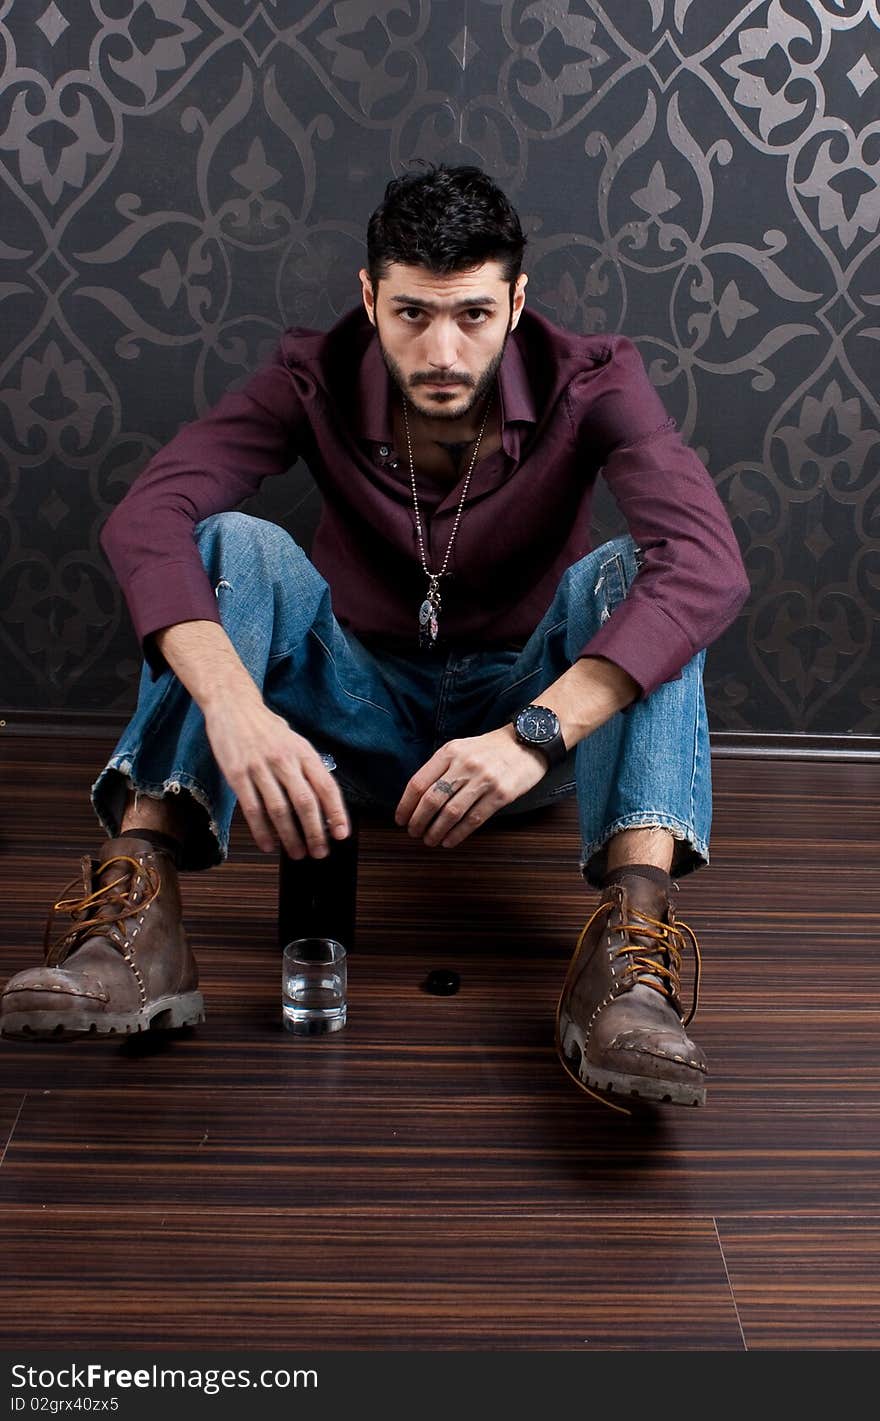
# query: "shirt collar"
{"type": "Point", "coordinates": [374, 395]}
{"type": "Point", "coordinates": [517, 404]}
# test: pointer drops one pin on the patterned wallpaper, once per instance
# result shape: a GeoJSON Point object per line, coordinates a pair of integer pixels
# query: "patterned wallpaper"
{"type": "Point", "coordinates": [180, 179]}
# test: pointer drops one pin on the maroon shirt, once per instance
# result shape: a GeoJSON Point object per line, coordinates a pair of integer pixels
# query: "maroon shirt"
{"type": "Point", "coordinates": [571, 406]}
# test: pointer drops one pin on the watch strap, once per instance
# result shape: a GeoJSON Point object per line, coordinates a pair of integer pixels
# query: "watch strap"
{"type": "Point", "coordinates": [554, 750]}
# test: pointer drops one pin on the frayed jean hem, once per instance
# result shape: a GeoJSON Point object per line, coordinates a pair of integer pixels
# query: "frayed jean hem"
{"type": "Point", "coordinates": [205, 846]}
{"type": "Point", "coordinates": [690, 852]}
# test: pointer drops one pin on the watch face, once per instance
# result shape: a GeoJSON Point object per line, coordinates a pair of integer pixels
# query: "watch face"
{"type": "Point", "coordinates": [537, 725]}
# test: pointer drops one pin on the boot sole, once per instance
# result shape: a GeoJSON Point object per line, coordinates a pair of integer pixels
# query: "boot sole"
{"type": "Point", "coordinates": [164, 1014]}
{"type": "Point", "coordinates": [616, 1083]}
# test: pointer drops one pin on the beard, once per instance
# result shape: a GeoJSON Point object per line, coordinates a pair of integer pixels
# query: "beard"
{"type": "Point", "coordinates": [477, 386]}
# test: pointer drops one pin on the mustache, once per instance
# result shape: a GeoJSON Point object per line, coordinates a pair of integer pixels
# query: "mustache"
{"type": "Point", "coordinates": [429, 379]}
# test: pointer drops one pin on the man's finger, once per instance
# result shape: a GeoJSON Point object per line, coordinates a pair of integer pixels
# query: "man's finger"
{"type": "Point", "coordinates": [458, 804]}
{"type": "Point", "coordinates": [310, 814]}
{"type": "Point", "coordinates": [281, 816]}
{"type": "Point", "coordinates": [433, 803]}
{"type": "Point", "coordinates": [418, 785]}
{"type": "Point", "coordinates": [258, 823]}
{"type": "Point", "coordinates": [331, 800]}
{"type": "Point", "coordinates": [478, 813]}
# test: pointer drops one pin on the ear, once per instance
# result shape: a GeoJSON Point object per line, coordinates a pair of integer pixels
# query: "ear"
{"type": "Point", "coordinates": [519, 299]}
{"type": "Point", "coordinates": [368, 294]}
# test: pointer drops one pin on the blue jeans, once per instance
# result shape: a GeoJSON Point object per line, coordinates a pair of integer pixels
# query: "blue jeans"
{"type": "Point", "coordinates": [381, 715]}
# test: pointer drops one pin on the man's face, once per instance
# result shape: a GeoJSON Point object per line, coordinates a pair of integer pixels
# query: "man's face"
{"type": "Point", "coordinates": [442, 337]}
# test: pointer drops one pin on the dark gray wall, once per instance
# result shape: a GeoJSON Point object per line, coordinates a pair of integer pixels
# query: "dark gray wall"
{"type": "Point", "coordinates": [181, 179]}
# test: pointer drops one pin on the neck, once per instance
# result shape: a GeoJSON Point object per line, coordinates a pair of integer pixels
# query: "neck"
{"type": "Point", "coordinates": [447, 431]}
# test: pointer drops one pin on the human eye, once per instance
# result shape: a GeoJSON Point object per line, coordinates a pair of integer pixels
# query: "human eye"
{"type": "Point", "coordinates": [476, 316]}
{"type": "Point", "coordinates": [410, 314]}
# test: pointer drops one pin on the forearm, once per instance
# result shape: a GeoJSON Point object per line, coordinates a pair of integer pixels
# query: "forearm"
{"type": "Point", "coordinates": [586, 695]}
{"type": "Point", "coordinates": [203, 658]}
{"type": "Point", "coordinates": [466, 781]}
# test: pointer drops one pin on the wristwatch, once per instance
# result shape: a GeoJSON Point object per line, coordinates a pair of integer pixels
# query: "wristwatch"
{"type": "Point", "coordinates": [539, 728]}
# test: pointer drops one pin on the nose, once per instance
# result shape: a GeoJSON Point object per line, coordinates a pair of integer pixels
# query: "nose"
{"type": "Point", "coordinates": [442, 345]}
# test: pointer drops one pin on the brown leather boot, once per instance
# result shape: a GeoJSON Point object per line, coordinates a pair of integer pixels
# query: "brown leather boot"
{"type": "Point", "coordinates": [620, 1028]}
{"type": "Point", "coordinates": [124, 966]}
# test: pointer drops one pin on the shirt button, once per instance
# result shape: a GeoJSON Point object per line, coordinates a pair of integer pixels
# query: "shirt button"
{"type": "Point", "coordinates": [383, 450]}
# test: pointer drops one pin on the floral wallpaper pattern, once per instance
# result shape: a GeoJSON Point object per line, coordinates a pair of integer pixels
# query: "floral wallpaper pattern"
{"type": "Point", "coordinates": [180, 179]}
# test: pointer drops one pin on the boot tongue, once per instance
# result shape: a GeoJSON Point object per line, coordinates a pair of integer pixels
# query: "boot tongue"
{"type": "Point", "coordinates": [645, 895]}
{"type": "Point", "coordinates": [127, 846]}
{"type": "Point", "coordinates": [105, 872]}
{"type": "Point", "coordinates": [650, 898]}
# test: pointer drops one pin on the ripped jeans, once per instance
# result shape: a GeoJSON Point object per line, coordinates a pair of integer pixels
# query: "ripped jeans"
{"type": "Point", "coordinates": [382, 715]}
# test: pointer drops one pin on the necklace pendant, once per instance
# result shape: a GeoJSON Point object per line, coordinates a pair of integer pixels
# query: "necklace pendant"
{"type": "Point", "coordinates": [428, 634]}
{"type": "Point", "coordinates": [429, 611]}
{"type": "Point", "coordinates": [428, 614]}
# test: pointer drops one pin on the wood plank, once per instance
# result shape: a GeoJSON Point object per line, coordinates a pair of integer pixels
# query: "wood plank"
{"type": "Point", "coordinates": [11, 1103]}
{"type": "Point", "coordinates": [466, 1143]}
{"type": "Point", "coordinates": [330, 1278]}
{"type": "Point", "coordinates": [810, 1283]}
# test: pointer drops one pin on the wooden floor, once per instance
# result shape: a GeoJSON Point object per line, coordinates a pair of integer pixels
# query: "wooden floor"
{"type": "Point", "coordinates": [429, 1178]}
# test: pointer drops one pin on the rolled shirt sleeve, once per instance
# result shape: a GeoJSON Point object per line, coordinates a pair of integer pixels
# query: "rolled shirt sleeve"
{"type": "Point", "coordinates": [691, 583]}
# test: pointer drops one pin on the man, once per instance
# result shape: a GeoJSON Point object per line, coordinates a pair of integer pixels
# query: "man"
{"type": "Point", "coordinates": [453, 643]}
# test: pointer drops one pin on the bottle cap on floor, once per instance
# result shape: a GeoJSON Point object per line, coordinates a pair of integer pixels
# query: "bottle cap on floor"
{"type": "Point", "coordinates": [441, 982]}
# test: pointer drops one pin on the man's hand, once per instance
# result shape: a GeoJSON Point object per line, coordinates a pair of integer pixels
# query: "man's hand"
{"type": "Point", "coordinates": [284, 789]}
{"type": "Point", "coordinates": [464, 783]}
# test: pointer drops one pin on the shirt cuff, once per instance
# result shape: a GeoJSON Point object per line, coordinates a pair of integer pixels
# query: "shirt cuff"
{"type": "Point", "coordinates": [644, 641]}
{"type": "Point", "coordinates": [163, 596]}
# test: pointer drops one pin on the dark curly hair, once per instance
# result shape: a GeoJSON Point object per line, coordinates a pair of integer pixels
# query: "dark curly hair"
{"type": "Point", "coordinates": [446, 219]}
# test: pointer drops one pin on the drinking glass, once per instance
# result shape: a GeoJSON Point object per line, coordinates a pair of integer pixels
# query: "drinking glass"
{"type": "Point", "coordinates": [313, 986]}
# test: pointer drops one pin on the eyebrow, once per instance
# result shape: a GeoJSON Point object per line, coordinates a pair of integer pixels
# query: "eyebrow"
{"type": "Point", "coordinates": [436, 306]}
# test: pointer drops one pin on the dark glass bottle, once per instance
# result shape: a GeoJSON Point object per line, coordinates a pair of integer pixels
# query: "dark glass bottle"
{"type": "Point", "coordinates": [318, 897]}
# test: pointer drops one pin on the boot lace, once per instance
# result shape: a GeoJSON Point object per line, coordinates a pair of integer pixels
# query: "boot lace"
{"type": "Point", "coordinates": [655, 966]}
{"type": "Point", "coordinates": [117, 895]}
